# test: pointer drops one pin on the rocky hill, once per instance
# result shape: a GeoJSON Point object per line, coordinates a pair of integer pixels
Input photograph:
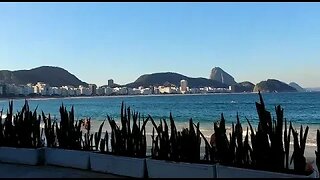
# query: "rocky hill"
{"type": "Point", "coordinates": [158, 79]}
{"type": "Point", "coordinates": [297, 87]}
{"type": "Point", "coordinates": [245, 86]}
{"type": "Point", "coordinates": [54, 76]}
{"type": "Point", "coordinates": [273, 85]}
{"type": "Point", "coordinates": [220, 75]}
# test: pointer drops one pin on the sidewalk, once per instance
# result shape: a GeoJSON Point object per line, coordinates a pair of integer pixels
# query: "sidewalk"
{"type": "Point", "coordinates": [27, 171]}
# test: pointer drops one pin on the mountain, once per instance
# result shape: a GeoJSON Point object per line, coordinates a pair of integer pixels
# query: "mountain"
{"type": "Point", "coordinates": [220, 75]}
{"type": "Point", "coordinates": [297, 87]}
{"type": "Point", "coordinates": [245, 86]}
{"type": "Point", "coordinates": [54, 76]}
{"type": "Point", "coordinates": [158, 79]}
{"type": "Point", "coordinates": [273, 85]}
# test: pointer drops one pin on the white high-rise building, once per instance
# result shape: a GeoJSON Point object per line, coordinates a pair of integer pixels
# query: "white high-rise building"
{"type": "Point", "coordinates": [183, 86]}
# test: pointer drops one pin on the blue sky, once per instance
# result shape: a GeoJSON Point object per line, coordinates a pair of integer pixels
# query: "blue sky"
{"type": "Point", "coordinates": [99, 41]}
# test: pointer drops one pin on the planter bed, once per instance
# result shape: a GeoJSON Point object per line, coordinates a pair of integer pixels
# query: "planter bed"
{"type": "Point", "coordinates": [235, 172]}
{"type": "Point", "coordinates": [27, 156]}
{"type": "Point", "coordinates": [119, 165]}
{"type": "Point", "coordinates": [170, 169]}
{"type": "Point", "coordinates": [67, 158]}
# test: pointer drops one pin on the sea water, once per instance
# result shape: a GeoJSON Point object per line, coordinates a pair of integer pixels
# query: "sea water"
{"type": "Point", "coordinates": [299, 108]}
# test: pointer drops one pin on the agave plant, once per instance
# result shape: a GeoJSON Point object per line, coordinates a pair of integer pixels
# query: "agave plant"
{"type": "Point", "coordinates": [21, 129]}
{"type": "Point", "coordinates": [68, 131]}
{"type": "Point", "coordinates": [49, 132]}
{"type": "Point", "coordinates": [229, 151]}
{"type": "Point", "coordinates": [181, 145]}
{"type": "Point", "coordinates": [269, 156]}
{"type": "Point", "coordinates": [87, 143]}
{"type": "Point", "coordinates": [298, 153]}
{"type": "Point", "coordinates": [318, 149]}
{"type": "Point", "coordinates": [127, 140]}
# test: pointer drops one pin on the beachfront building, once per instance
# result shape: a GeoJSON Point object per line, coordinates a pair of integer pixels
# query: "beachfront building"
{"type": "Point", "coordinates": [194, 90]}
{"type": "Point", "coordinates": [120, 91]}
{"type": "Point", "coordinates": [167, 89]}
{"type": "Point", "coordinates": [93, 89]}
{"type": "Point", "coordinates": [184, 86]}
{"type": "Point", "coordinates": [110, 82]}
{"type": "Point", "coordinates": [156, 90]}
{"type": "Point", "coordinates": [56, 91]}
{"type": "Point", "coordinates": [64, 91]}
{"type": "Point", "coordinates": [41, 88]}
{"type": "Point", "coordinates": [101, 91]}
{"type": "Point", "coordinates": [134, 91]}
{"type": "Point", "coordinates": [67, 91]}
{"type": "Point", "coordinates": [10, 89]}
{"type": "Point", "coordinates": [25, 90]}
{"type": "Point", "coordinates": [123, 91]}
{"type": "Point", "coordinates": [85, 91]}
{"type": "Point", "coordinates": [146, 91]}
{"type": "Point", "coordinates": [108, 91]}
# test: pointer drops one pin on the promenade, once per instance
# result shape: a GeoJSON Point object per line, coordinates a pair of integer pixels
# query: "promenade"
{"type": "Point", "coordinates": [27, 171]}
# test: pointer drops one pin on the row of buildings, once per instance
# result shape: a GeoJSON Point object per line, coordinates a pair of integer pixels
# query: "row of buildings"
{"type": "Point", "coordinates": [42, 89]}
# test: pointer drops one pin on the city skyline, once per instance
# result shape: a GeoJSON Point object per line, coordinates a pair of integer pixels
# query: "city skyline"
{"type": "Point", "coordinates": [121, 41]}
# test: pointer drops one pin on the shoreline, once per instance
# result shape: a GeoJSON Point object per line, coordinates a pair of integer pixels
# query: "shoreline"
{"type": "Point", "coordinates": [139, 95]}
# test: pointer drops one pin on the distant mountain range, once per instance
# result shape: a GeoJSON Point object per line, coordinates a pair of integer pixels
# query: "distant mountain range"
{"type": "Point", "coordinates": [166, 78]}
{"type": "Point", "coordinates": [54, 76]}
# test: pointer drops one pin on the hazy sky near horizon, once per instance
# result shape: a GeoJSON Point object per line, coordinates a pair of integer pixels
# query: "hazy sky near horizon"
{"type": "Point", "coordinates": [100, 41]}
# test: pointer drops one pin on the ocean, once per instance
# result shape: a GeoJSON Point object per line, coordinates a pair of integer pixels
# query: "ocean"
{"type": "Point", "coordinates": [299, 108]}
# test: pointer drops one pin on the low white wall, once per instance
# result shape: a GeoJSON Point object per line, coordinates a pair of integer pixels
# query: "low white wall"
{"type": "Point", "coordinates": [233, 172]}
{"type": "Point", "coordinates": [168, 169]}
{"type": "Point", "coordinates": [67, 158]}
{"type": "Point", "coordinates": [119, 165]}
{"type": "Point", "coordinates": [22, 155]}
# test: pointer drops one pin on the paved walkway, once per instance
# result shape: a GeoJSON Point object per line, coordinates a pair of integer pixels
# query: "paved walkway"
{"type": "Point", "coordinates": [27, 171]}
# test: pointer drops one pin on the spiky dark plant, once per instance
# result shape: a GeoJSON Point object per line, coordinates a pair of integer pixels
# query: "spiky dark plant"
{"type": "Point", "coordinates": [97, 138]}
{"type": "Point", "coordinates": [87, 143]}
{"type": "Point", "coordinates": [317, 152]}
{"type": "Point", "coordinates": [181, 145]}
{"type": "Point", "coordinates": [21, 129]}
{"type": "Point", "coordinates": [68, 131]}
{"type": "Point", "coordinates": [1, 129]}
{"type": "Point", "coordinates": [287, 144]}
{"type": "Point", "coordinates": [127, 142]}
{"type": "Point", "coordinates": [298, 152]}
{"type": "Point", "coordinates": [49, 131]}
